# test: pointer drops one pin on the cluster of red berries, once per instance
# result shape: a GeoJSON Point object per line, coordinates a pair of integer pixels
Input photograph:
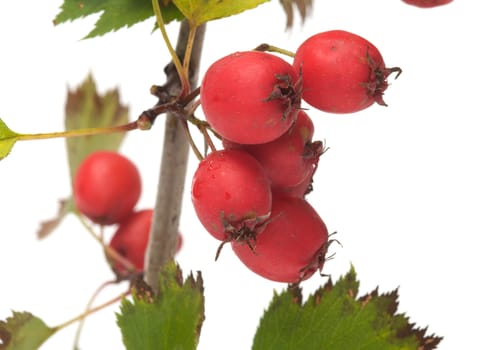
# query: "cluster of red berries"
{"type": "Point", "coordinates": [106, 189]}
{"type": "Point", "coordinates": [251, 193]}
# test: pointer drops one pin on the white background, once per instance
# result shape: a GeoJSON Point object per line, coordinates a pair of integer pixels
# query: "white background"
{"type": "Point", "coordinates": [404, 186]}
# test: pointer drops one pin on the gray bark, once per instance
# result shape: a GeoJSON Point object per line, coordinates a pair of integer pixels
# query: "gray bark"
{"type": "Point", "coordinates": [174, 163]}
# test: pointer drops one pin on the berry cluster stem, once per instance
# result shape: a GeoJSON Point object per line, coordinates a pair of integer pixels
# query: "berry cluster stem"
{"type": "Point", "coordinates": [79, 132]}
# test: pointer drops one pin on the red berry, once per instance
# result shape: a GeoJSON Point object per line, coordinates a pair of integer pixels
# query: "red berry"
{"type": "Point", "coordinates": [291, 247]}
{"type": "Point", "coordinates": [289, 159]}
{"type": "Point", "coordinates": [427, 3]}
{"type": "Point", "coordinates": [131, 238]}
{"type": "Point", "coordinates": [106, 187]}
{"type": "Point", "coordinates": [300, 190]}
{"type": "Point", "coordinates": [250, 97]}
{"type": "Point", "coordinates": [230, 193]}
{"type": "Point", "coordinates": [179, 242]}
{"type": "Point", "coordinates": [341, 71]}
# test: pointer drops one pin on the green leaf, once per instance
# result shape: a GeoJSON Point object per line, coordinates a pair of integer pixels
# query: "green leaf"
{"type": "Point", "coordinates": [334, 318]}
{"type": "Point", "coordinates": [200, 11]}
{"type": "Point", "coordinates": [114, 14]}
{"type": "Point", "coordinates": [170, 320]}
{"type": "Point", "coordinates": [23, 331]}
{"type": "Point", "coordinates": [7, 139]}
{"type": "Point", "coordinates": [86, 108]}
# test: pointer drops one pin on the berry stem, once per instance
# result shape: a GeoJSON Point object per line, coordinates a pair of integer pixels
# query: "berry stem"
{"type": "Point", "coordinates": [193, 146]}
{"type": "Point", "coordinates": [182, 72]}
{"type": "Point", "coordinates": [192, 29]}
{"type": "Point", "coordinates": [208, 139]}
{"type": "Point", "coordinates": [90, 311]}
{"type": "Point", "coordinates": [270, 48]}
{"type": "Point", "coordinates": [88, 307]}
{"type": "Point", "coordinates": [109, 251]}
{"type": "Point", "coordinates": [190, 97]}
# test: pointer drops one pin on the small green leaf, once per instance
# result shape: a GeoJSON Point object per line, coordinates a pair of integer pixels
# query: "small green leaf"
{"type": "Point", "coordinates": [23, 331]}
{"type": "Point", "coordinates": [333, 318]}
{"type": "Point", "coordinates": [200, 11]}
{"type": "Point", "coordinates": [86, 108]}
{"type": "Point", "coordinates": [114, 14]}
{"type": "Point", "coordinates": [7, 139]}
{"type": "Point", "coordinates": [170, 320]}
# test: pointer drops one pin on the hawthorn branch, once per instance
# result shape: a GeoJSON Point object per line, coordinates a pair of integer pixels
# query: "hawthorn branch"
{"type": "Point", "coordinates": [174, 163]}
